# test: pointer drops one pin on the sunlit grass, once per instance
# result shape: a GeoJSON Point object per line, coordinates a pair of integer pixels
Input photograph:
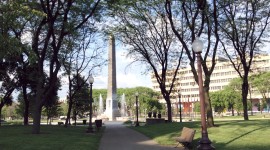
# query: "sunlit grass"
{"type": "Point", "coordinates": [228, 135]}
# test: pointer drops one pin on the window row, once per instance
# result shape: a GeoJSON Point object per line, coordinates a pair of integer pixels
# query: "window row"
{"type": "Point", "coordinates": [221, 80]}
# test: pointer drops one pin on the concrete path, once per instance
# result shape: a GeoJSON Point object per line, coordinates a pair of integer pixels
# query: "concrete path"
{"type": "Point", "coordinates": [119, 137]}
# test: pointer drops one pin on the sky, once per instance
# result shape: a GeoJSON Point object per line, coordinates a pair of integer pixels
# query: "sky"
{"type": "Point", "coordinates": [127, 76]}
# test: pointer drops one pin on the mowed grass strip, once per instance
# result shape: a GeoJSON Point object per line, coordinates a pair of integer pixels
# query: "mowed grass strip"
{"type": "Point", "coordinates": [16, 137]}
{"type": "Point", "coordinates": [228, 135]}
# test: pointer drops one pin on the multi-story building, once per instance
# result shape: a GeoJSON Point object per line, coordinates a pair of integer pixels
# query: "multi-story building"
{"type": "Point", "coordinates": [223, 73]}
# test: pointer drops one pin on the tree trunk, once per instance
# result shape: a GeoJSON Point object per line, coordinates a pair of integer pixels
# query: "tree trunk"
{"type": "Point", "coordinates": [26, 113]}
{"type": "Point", "coordinates": [69, 112]}
{"type": "Point", "coordinates": [169, 108]}
{"type": "Point", "coordinates": [209, 112]}
{"type": "Point", "coordinates": [244, 96]}
{"type": "Point", "coordinates": [232, 110]}
{"type": "Point", "coordinates": [75, 120]}
{"type": "Point", "coordinates": [36, 118]}
{"type": "Point", "coordinates": [1, 114]}
{"type": "Point", "coordinates": [26, 106]}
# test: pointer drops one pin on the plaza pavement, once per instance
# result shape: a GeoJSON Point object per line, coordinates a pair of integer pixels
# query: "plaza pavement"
{"type": "Point", "coordinates": [119, 137]}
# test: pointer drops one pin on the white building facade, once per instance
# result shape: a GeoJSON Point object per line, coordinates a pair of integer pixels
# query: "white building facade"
{"type": "Point", "coordinates": [223, 73]}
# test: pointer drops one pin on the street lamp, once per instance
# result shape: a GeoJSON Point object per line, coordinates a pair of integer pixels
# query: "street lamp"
{"type": "Point", "coordinates": [188, 107]}
{"type": "Point", "coordinates": [137, 111]}
{"type": "Point", "coordinates": [90, 128]}
{"type": "Point", "coordinates": [204, 143]}
{"type": "Point", "coordinates": [180, 109]}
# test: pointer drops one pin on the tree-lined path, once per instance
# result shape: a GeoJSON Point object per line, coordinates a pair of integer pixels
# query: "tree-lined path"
{"type": "Point", "coordinates": [119, 137]}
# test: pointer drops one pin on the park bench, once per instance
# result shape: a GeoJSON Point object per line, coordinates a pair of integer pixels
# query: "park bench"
{"type": "Point", "coordinates": [186, 137]}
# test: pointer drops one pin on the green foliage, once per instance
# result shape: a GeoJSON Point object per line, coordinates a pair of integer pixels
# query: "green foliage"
{"type": "Point", "coordinates": [52, 106]}
{"type": "Point", "coordinates": [64, 107]}
{"type": "Point", "coordinates": [242, 37]}
{"type": "Point", "coordinates": [148, 99]}
{"type": "Point", "coordinates": [217, 102]}
{"type": "Point", "coordinates": [81, 99]}
{"type": "Point", "coordinates": [197, 107]}
{"type": "Point", "coordinates": [9, 112]}
{"type": "Point", "coordinates": [236, 84]}
{"type": "Point", "coordinates": [261, 82]}
{"type": "Point", "coordinates": [21, 104]}
{"type": "Point", "coordinates": [228, 98]}
{"type": "Point", "coordinates": [35, 31]}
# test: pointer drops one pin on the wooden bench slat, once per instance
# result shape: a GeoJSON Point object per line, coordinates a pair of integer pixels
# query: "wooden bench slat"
{"type": "Point", "coordinates": [186, 137]}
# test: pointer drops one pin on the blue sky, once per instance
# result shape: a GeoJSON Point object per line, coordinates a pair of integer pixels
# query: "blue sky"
{"type": "Point", "coordinates": [126, 76]}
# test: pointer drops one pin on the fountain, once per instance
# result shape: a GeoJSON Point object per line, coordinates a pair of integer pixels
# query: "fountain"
{"type": "Point", "coordinates": [123, 106]}
{"type": "Point", "coordinates": [101, 109]}
{"type": "Point", "coordinates": [123, 110]}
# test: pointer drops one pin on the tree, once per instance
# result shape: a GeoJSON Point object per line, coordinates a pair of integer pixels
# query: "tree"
{"type": "Point", "coordinates": [81, 98]}
{"type": "Point", "coordinates": [52, 110]}
{"type": "Point", "coordinates": [16, 45]}
{"type": "Point", "coordinates": [8, 55]}
{"type": "Point", "coordinates": [64, 108]}
{"type": "Point", "coordinates": [147, 97]}
{"type": "Point", "coordinates": [21, 107]}
{"type": "Point", "coordinates": [52, 106]}
{"type": "Point", "coordinates": [142, 26]}
{"type": "Point", "coordinates": [217, 101]}
{"type": "Point", "coordinates": [243, 27]}
{"type": "Point", "coordinates": [229, 97]}
{"type": "Point", "coordinates": [5, 99]}
{"type": "Point", "coordinates": [77, 60]}
{"type": "Point", "coordinates": [8, 83]}
{"type": "Point", "coordinates": [57, 20]}
{"type": "Point", "coordinates": [26, 73]}
{"type": "Point", "coordinates": [261, 82]}
{"type": "Point", "coordinates": [190, 19]}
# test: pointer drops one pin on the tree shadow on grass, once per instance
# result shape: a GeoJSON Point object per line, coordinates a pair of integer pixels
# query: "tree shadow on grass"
{"type": "Point", "coordinates": [226, 146]}
{"type": "Point", "coordinates": [236, 138]}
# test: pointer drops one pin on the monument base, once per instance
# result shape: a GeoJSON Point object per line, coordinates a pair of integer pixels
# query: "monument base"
{"type": "Point", "coordinates": [122, 118]}
{"type": "Point", "coordinates": [103, 117]}
{"type": "Point", "coordinates": [112, 115]}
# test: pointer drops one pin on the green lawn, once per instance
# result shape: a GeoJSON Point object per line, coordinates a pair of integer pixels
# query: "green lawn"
{"type": "Point", "coordinates": [229, 135]}
{"type": "Point", "coordinates": [13, 137]}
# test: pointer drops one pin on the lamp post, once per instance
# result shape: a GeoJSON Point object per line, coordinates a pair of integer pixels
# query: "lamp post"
{"type": "Point", "coordinates": [204, 143]}
{"type": "Point", "coordinates": [180, 108]}
{"type": "Point", "coordinates": [90, 128]}
{"type": "Point", "coordinates": [189, 107]}
{"type": "Point", "coordinates": [137, 111]}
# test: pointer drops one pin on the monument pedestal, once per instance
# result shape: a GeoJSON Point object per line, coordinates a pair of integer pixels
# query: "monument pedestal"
{"type": "Point", "coordinates": [112, 114]}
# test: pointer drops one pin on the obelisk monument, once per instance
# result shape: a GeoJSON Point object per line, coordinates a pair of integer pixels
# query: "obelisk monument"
{"type": "Point", "coordinates": [111, 102]}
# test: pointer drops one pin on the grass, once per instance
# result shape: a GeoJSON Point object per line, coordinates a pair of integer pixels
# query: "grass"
{"type": "Point", "coordinates": [228, 135]}
{"type": "Point", "coordinates": [13, 137]}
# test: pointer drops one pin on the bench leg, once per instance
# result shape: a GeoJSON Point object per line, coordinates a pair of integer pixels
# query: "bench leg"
{"type": "Point", "coordinates": [177, 145]}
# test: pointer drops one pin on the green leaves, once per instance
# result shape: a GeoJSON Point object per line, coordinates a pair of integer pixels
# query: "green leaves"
{"type": "Point", "coordinates": [228, 98]}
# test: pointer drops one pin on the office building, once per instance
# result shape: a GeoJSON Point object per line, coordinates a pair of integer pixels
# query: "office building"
{"type": "Point", "coordinates": [223, 73]}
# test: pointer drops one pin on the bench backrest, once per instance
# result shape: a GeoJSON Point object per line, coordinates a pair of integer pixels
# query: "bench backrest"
{"type": "Point", "coordinates": [188, 134]}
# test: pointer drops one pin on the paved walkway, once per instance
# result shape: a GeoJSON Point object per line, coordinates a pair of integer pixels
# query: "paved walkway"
{"type": "Point", "coordinates": [119, 137]}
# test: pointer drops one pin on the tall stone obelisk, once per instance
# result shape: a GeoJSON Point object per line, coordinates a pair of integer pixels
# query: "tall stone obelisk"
{"type": "Point", "coordinates": [111, 102]}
